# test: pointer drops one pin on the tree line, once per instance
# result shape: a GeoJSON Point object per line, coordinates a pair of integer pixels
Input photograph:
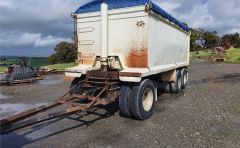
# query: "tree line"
{"type": "Point", "coordinates": [201, 39]}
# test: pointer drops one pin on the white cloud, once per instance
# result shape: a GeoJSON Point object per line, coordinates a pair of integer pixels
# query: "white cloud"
{"type": "Point", "coordinates": [5, 3]}
{"type": "Point", "coordinates": [30, 39]}
{"type": "Point", "coordinates": [34, 27]}
{"type": "Point", "coordinates": [222, 16]}
{"type": "Point", "coordinates": [204, 18]}
{"type": "Point", "coordinates": [40, 23]}
{"type": "Point", "coordinates": [26, 38]}
{"type": "Point", "coordinates": [49, 40]}
{"type": "Point", "coordinates": [169, 6]}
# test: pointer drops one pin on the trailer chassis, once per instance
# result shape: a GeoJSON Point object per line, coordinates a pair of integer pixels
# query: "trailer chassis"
{"type": "Point", "coordinates": [97, 90]}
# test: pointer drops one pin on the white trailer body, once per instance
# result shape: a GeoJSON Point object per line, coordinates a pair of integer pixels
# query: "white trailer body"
{"type": "Point", "coordinates": [139, 42]}
{"type": "Point", "coordinates": [126, 51]}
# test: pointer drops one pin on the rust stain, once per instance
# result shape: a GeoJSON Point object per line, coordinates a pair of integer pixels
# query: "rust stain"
{"type": "Point", "coordinates": [86, 58]}
{"type": "Point", "coordinates": [137, 58]}
{"type": "Point", "coordinates": [86, 61]}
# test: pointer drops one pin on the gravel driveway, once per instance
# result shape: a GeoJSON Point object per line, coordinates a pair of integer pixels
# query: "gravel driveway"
{"type": "Point", "coordinates": [207, 114]}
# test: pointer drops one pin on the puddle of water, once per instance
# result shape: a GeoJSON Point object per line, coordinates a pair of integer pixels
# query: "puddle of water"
{"type": "Point", "coordinates": [7, 110]}
{"type": "Point", "coordinates": [51, 80]}
{"type": "Point", "coordinates": [2, 96]}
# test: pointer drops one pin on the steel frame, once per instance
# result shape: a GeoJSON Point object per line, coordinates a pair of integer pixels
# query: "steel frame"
{"type": "Point", "coordinates": [97, 93]}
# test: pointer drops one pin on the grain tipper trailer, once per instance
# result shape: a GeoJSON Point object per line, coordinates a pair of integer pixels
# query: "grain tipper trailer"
{"type": "Point", "coordinates": [125, 50]}
{"type": "Point", "coordinates": [135, 43]}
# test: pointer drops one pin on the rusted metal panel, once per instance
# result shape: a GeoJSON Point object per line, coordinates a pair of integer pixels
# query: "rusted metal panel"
{"type": "Point", "coordinates": [137, 58]}
{"type": "Point", "coordinates": [130, 74]}
{"type": "Point", "coordinates": [138, 55]}
{"type": "Point", "coordinates": [110, 75]}
{"type": "Point", "coordinates": [127, 36]}
{"type": "Point", "coordinates": [86, 58]}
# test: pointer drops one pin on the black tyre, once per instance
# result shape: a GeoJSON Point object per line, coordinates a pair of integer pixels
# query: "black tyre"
{"type": "Point", "coordinates": [76, 90]}
{"type": "Point", "coordinates": [166, 87]}
{"type": "Point", "coordinates": [125, 101]}
{"type": "Point", "coordinates": [143, 100]}
{"type": "Point", "coordinates": [184, 73]}
{"type": "Point", "coordinates": [176, 86]}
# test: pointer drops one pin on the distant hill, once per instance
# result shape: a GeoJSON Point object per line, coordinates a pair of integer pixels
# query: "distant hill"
{"type": "Point", "coordinates": [33, 61]}
{"type": "Point", "coordinates": [20, 57]}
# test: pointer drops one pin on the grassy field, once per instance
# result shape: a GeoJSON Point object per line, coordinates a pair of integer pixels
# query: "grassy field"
{"type": "Point", "coordinates": [232, 55]}
{"type": "Point", "coordinates": [62, 66]}
{"type": "Point", "coordinates": [2, 68]}
{"type": "Point", "coordinates": [34, 62]}
{"type": "Point", "coordinates": [201, 54]}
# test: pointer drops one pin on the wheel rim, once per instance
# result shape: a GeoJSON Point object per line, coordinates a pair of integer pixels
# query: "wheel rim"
{"type": "Point", "coordinates": [147, 99]}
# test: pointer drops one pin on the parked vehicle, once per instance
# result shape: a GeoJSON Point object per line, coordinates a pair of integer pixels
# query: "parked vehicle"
{"type": "Point", "coordinates": [136, 44]}
{"type": "Point", "coordinates": [126, 49]}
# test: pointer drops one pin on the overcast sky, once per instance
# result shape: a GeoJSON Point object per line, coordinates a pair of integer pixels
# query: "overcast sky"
{"type": "Point", "coordinates": [34, 27]}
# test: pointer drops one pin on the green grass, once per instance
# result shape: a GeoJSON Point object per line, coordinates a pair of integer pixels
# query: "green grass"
{"type": "Point", "coordinates": [9, 61]}
{"type": "Point", "coordinates": [62, 66]}
{"type": "Point", "coordinates": [2, 68]}
{"type": "Point", "coordinates": [233, 55]}
{"type": "Point", "coordinates": [38, 62]}
{"type": "Point", "coordinates": [34, 62]}
{"type": "Point", "coordinates": [201, 54]}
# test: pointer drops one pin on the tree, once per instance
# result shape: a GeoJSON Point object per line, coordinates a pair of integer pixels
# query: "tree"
{"type": "Point", "coordinates": [53, 59]}
{"type": "Point", "coordinates": [229, 40]}
{"type": "Point", "coordinates": [202, 39]}
{"type": "Point", "coordinates": [65, 52]}
{"type": "Point", "coordinates": [211, 39]}
{"type": "Point", "coordinates": [197, 41]}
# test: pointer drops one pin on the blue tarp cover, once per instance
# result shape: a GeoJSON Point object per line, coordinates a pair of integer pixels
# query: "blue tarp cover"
{"type": "Point", "coordinates": [115, 4]}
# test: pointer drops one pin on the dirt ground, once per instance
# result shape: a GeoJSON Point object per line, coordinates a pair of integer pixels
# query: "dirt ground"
{"type": "Point", "coordinates": [207, 114]}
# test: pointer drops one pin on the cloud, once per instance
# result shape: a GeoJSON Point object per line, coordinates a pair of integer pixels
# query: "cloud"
{"type": "Point", "coordinates": [5, 3]}
{"type": "Point", "coordinates": [48, 17]}
{"type": "Point", "coordinates": [49, 40]}
{"type": "Point", "coordinates": [168, 6]}
{"type": "Point", "coordinates": [29, 26]}
{"type": "Point", "coordinates": [213, 15]}
{"type": "Point", "coordinates": [30, 39]}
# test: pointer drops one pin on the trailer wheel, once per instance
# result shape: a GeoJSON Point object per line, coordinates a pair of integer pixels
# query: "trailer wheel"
{"type": "Point", "coordinates": [125, 101]}
{"type": "Point", "coordinates": [143, 100]}
{"type": "Point", "coordinates": [76, 90]}
{"type": "Point", "coordinates": [177, 85]}
{"type": "Point", "coordinates": [184, 73]}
